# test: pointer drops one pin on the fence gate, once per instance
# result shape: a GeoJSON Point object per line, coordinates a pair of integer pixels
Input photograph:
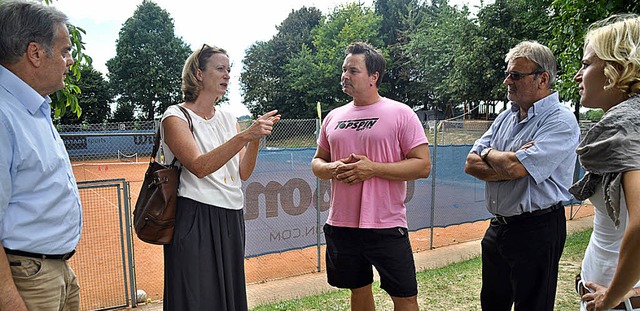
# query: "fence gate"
{"type": "Point", "coordinates": [103, 262]}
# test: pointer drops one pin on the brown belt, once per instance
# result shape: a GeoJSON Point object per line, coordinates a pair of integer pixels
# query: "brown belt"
{"type": "Point", "coordinates": [635, 301]}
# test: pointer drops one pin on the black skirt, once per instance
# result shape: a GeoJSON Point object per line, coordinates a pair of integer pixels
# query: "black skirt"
{"type": "Point", "coordinates": [204, 264]}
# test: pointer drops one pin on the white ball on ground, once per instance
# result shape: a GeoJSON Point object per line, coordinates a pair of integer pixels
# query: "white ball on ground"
{"type": "Point", "coordinates": [141, 296]}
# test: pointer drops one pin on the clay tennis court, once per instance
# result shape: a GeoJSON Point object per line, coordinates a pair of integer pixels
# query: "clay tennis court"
{"type": "Point", "coordinates": [100, 249]}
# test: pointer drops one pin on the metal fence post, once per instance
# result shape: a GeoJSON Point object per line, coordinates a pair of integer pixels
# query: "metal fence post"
{"type": "Point", "coordinates": [434, 163]}
{"type": "Point", "coordinates": [131, 254]}
{"type": "Point", "coordinates": [318, 195]}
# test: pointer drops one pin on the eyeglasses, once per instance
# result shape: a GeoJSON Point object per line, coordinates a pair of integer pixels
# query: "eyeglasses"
{"type": "Point", "coordinates": [515, 76]}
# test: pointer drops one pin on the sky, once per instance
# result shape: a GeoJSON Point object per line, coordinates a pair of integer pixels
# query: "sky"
{"type": "Point", "coordinates": [233, 25]}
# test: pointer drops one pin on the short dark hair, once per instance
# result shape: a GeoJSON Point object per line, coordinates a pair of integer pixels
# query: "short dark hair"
{"type": "Point", "coordinates": [373, 59]}
{"type": "Point", "coordinates": [23, 22]}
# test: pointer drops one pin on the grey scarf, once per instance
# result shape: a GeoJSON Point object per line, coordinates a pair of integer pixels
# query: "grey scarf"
{"type": "Point", "coordinates": [610, 148]}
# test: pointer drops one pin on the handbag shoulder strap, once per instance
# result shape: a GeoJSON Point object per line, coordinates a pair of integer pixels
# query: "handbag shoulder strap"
{"type": "Point", "coordinates": [188, 116]}
{"type": "Point", "coordinates": [156, 142]}
{"type": "Point", "coordinates": [156, 146]}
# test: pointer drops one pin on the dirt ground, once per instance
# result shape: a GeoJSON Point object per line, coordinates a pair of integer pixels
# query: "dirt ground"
{"type": "Point", "coordinates": [96, 254]}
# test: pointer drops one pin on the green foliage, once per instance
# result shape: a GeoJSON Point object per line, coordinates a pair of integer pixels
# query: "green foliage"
{"type": "Point", "coordinates": [399, 20]}
{"type": "Point", "coordinates": [431, 54]}
{"type": "Point", "coordinates": [95, 98]}
{"type": "Point", "coordinates": [301, 65]}
{"type": "Point", "coordinates": [257, 78]}
{"type": "Point", "coordinates": [264, 79]}
{"type": "Point", "coordinates": [502, 25]}
{"type": "Point", "coordinates": [394, 15]}
{"type": "Point", "coordinates": [67, 97]}
{"type": "Point", "coordinates": [146, 72]}
{"type": "Point", "coordinates": [594, 115]}
{"type": "Point", "coordinates": [316, 69]}
{"type": "Point", "coordinates": [124, 112]}
{"type": "Point", "coordinates": [438, 55]}
{"type": "Point", "coordinates": [571, 20]}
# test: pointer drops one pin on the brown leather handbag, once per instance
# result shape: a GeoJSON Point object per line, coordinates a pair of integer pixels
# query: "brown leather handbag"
{"type": "Point", "coordinates": [155, 211]}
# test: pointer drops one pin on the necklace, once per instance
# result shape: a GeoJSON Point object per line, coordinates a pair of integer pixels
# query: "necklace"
{"type": "Point", "coordinates": [204, 116]}
{"type": "Point", "coordinates": [197, 110]}
{"type": "Point", "coordinates": [212, 115]}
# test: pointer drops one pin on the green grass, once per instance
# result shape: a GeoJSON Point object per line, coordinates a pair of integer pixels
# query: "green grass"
{"type": "Point", "coordinates": [452, 287]}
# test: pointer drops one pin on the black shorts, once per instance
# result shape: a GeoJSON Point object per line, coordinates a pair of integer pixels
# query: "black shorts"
{"type": "Point", "coordinates": [352, 252]}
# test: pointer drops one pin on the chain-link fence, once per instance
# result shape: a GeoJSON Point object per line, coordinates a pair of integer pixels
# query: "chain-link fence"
{"type": "Point", "coordinates": [108, 127]}
{"type": "Point", "coordinates": [285, 204]}
{"type": "Point", "coordinates": [463, 132]}
{"type": "Point", "coordinates": [122, 141]}
{"type": "Point", "coordinates": [103, 262]}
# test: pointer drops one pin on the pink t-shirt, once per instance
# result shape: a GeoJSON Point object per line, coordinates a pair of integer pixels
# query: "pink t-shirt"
{"type": "Point", "coordinates": [385, 132]}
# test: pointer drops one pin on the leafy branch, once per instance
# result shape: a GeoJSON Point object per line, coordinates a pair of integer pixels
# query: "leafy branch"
{"type": "Point", "coordinates": [67, 97]}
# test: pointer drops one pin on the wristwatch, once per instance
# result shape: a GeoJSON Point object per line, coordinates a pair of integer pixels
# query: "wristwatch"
{"type": "Point", "coordinates": [484, 153]}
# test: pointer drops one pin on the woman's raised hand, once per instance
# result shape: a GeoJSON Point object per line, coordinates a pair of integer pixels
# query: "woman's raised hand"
{"type": "Point", "coordinates": [263, 125]}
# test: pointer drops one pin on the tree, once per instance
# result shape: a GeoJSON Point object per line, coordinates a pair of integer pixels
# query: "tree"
{"type": "Point", "coordinates": [399, 19]}
{"type": "Point", "coordinates": [67, 97]}
{"type": "Point", "coordinates": [480, 64]}
{"type": "Point", "coordinates": [146, 72]}
{"type": "Point", "coordinates": [124, 112]}
{"type": "Point", "coordinates": [264, 80]}
{"type": "Point", "coordinates": [95, 98]}
{"type": "Point", "coordinates": [257, 79]}
{"type": "Point", "coordinates": [300, 66]}
{"type": "Point", "coordinates": [431, 54]}
{"type": "Point", "coordinates": [571, 19]}
{"type": "Point", "coordinates": [316, 70]}
{"type": "Point", "coordinates": [594, 114]}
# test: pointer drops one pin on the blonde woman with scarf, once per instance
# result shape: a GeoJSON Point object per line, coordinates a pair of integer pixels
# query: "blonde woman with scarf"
{"type": "Point", "coordinates": [610, 153]}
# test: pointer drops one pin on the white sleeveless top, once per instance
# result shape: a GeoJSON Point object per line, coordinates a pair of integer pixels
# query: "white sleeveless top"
{"type": "Point", "coordinates": [601, 257]}
{"type": "Point", "coordinates": [222, 188]}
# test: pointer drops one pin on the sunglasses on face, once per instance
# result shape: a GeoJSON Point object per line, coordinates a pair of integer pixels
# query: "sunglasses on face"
{"type": "Point", "coordinates": [515, 76]}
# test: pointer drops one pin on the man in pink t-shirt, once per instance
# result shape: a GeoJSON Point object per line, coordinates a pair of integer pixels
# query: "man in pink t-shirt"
{"type": "Point", "coordinates": [369, 148]}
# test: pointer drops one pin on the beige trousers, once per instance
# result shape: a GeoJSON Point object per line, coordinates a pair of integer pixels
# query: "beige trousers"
{"type": "Point", "coordinates": [45, 284]}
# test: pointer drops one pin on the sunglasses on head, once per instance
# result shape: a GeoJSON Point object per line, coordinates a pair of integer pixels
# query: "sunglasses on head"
{"type": "Point", "coordinates": [515, 76]}
{"type": "Point", "coordinates": [204, 46]}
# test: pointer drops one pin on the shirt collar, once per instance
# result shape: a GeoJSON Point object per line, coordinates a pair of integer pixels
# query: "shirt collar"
{"type": "Point", "coordinates": [24, 93]}
{"type": "Point", "coordinates": [540, 106]}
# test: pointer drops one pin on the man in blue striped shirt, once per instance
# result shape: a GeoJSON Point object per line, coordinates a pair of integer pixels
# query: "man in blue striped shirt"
{"type": "Point", "coordinates": [527, 159]}
{"type": "Point", "coordinates": [40, 212]}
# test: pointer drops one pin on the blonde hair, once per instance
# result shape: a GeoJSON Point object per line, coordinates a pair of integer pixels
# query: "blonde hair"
{"type": "Point", "coordinates": [191, 86]}
{"type": "Point", "coordinates": [538, 54]}
{"type": "Point", "coordinates": [616, 41]}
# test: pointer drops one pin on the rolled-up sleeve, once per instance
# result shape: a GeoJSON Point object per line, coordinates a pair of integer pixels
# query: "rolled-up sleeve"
{"type": "Point", "coordinates": [552, 143]}
{"type": "Point", "coordinates": [486, 139]}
